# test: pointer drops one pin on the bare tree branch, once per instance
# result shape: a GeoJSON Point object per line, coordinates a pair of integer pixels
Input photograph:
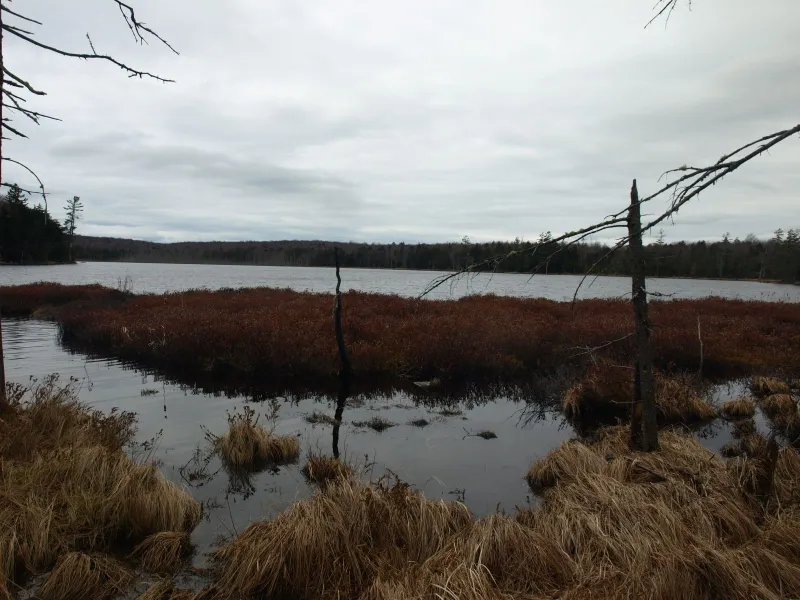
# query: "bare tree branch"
{"type": "Point", "coordinates": [130, 70]}
{"type": "Point", "coordinates": [22, 83]}
{"type": "Point", "coordinates": [138, 27]}
{"type": "Point", "coordinates": [32, 172]}
{"type": "Point", "coordinates": [24, 18]}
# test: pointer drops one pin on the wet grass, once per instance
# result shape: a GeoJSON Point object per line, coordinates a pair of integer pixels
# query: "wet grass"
{"type": "Point", "coordinates": [419, 423]}
{"type": "Point", "coordinates": [247, 445]}
{"type": "Point", "coordinates": [323, 470]}
{"type": "Point", "coordinates": [741, 408]}
{"type": "Point", "coordinates": [163, 553]}
{"type": "Point", "coordinates": [376, 423]}
{"type": "Point", "coordinates": [319, 418]}
{"type": "Point", "coordinates": [675, 523]}
{"type": "Point", "coordinates": [70, 496]}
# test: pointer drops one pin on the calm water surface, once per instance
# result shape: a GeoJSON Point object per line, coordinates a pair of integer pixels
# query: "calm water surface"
{"type": "Point", "coordinates": [159, 278]}
{"type": "Point", "coordinates": [439, 459]}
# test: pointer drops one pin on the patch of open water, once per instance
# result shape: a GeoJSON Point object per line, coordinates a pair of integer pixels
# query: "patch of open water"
{"type": "Point", "coordinates": [441, 459]}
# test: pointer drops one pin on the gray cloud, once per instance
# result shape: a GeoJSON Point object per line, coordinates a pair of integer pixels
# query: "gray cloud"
{"type": "Point", "coordinates": [411, 121]}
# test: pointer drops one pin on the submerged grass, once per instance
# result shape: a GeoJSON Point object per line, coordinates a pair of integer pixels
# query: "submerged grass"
{"type": "Point", "coordinates": [378, 424]}
{"type": "Point", "coordinates": [67, 486]}
{"type": "Point", "coordinates": [319, 418]}
{"type": "Point", "coordinates": [287, 333]}
{"type": "Point", "coordinates": [675, 523]}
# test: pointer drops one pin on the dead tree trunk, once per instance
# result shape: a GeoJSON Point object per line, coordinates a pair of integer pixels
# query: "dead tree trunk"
{"type": "Point", "coordinates": [341, 400]}
{"type": "Point", "coordinates": [2, 356]}
{"type": "Point", "coordinates": [344, 359]}
{"type": "Point", "coordinates": [644, 399]}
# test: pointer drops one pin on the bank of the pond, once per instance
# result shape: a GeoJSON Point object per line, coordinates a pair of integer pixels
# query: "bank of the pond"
{"type": "Point", "coordinates": [73, 502]}
{"type": "Point", "coordinates": [267, 334]}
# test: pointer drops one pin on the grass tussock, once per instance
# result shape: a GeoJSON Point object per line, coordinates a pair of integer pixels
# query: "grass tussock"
{"type": "Point", "coordinates": [419, 423]}
{"type": "Point", "coordinates": [323, 470]}
{"type": "Point", "coordinates": [78, 576]}
{"type": "Point", "coordinates": [743, 428]}
{"type": "Point", "coordinates": [486, 435]}
{"type": "Point", "coordinates": [741, 408]}
{"type": "Point", "coordinates": [766, 386]}
{"type": "Point", "coordinates": [165, 589]}
{"type": "Point", "coordinates": [607, 391]}
{"type": "Point", "coordinates": [67, 485]}
{"type": "Point", "coordinates": [319, 418]}
{"type": "Point", "coordinates": [378, 424]}
{"type": "Point", "coordinates": [287, 333]}
{"type": "Point", "coordinates": [247, 445]}
{"type": "Point", "coordinates": [613, 523]}
{"type": "Point", "coordinates": [164, 552]}
{"type": "Point", "coordinates": [778, 405]}
{"type": "Point", "coordinates": [335, 543]}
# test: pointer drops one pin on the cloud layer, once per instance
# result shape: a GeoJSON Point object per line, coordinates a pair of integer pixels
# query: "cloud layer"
{"type": "Point", "coordinates": [413, 121]}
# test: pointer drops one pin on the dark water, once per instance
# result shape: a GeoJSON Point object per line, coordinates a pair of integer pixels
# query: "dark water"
{"type": "Point", "coordinates": [439, 459]}
{"type": "Point", "coordinates": [161, 278]}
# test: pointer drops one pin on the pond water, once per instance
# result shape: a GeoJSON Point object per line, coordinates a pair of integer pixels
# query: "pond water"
{"type": "Point", "coordinates": [159, 278]}
{"type": "Point", "coordinates": [440, 459]}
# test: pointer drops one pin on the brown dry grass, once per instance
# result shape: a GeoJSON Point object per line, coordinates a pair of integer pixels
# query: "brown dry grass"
{"type": "Point", "coordinates": [335, 543]}
{"type": "Point", "coordinates": [738, 409]}
{"type": "Point", "coordinates": [78, 576]}
{"type": "Point", "coordinates": [322, 470]}
{"type": "Point", "coordinates": [247, 445]}
{"type": "Point", "coordinates": [607, 390]}
{"type": "Point", "coordinates": [23, 300]}
{"type": "Point", "coordinates": [164, 552]}
{"type": "Point", "coordinates": [676, 523]}
{"type": "Point", "coordinates": [778, 405]}
{"type": "Point", "coordinates": [77, 491]}
{"type": "Point", "coordinates": [165, 589]}
{"type": "Point", "coordinates": [287, 334]}
{"type": "Point", "coordinates": [766, 386]}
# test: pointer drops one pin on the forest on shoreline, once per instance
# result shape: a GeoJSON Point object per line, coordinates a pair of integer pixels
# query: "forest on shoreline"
{"type": "Point", "coordinates": [776, 259]}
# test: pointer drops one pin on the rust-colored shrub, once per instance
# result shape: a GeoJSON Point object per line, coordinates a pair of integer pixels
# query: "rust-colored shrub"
{"type": "Point", "coordinates": [268, 333]}
{"type": "Point", "coordinates": [23, 300]}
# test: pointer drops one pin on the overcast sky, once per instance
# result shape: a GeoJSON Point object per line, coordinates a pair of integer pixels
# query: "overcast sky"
{"type": "Point", "coordinates": [409, 121]}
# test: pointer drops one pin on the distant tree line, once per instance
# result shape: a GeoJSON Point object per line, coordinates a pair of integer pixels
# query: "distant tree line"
{"type": "Point", "coordinates": [775, 259]}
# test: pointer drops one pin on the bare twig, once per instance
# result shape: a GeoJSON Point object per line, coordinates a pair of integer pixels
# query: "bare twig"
{"type": "Point", "coordinates": [31, 171]}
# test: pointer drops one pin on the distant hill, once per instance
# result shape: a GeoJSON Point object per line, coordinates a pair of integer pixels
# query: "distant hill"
{"type": "Point", "coordinates": [775, 259]}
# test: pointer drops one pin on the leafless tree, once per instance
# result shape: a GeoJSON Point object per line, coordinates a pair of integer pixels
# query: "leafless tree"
{"type": "Point", "coordinates": [17, 90]}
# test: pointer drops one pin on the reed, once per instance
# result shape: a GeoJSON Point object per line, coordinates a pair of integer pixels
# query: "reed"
{"type": "Point", "coordinates": [287, 334]}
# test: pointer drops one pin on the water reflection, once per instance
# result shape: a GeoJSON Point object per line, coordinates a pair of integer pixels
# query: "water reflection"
{"type": "Point", "coordinates": [436, 458]}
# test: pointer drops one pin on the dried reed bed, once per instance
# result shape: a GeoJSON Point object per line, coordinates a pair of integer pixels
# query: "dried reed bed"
{"type": "Point", "coordinates": [322, 470]}
{"type": "Point", "coordinates": [607, 391]}
{"type": "Point", "coordinates": [24, 300]}
{"type": "Point", "coordinates": [77, 490]}
{"type": "Point", "coordinates": [78, 576]}
{"type": "Point", "coordinates": [248, 446]}
{"type": "Point", "coordinates": [164, 552]}
{"type": "Point", "coordinates": [335, 543]}
{"type": "Point", "coordinates": [676, 523]}
{"type": "Point", "coordinates": [778, 405]}
{"type": "Point", "coordinates": [165, 589]}
{"type": "Point", "coordinates": [264, 333]}
{"type": "Point", "coordinates": [766, 386]}
{"type": "Point", "coordinates": [741, 408]}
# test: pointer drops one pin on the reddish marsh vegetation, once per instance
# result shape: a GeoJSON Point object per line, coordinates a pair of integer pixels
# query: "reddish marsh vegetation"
{"type": "Point", "coordinates": [269, 333]}
{"type": "Point", "coordinates": [24, 300]}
